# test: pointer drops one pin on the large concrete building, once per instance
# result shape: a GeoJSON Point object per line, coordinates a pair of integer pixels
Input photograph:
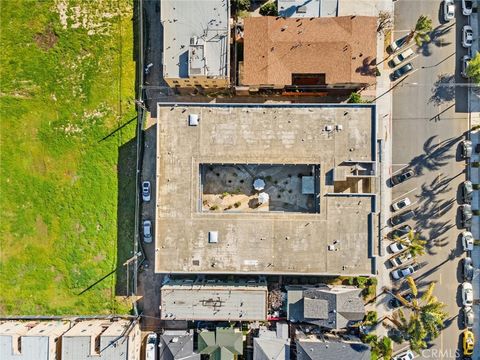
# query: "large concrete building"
{"type": "Point", "coordinates": [266, 189]}
{"type": "Point", "coordinates": [196, 42]}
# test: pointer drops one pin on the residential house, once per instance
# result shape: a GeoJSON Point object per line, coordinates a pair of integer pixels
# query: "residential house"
{"type": "Point", "coordinates": [223, 344]}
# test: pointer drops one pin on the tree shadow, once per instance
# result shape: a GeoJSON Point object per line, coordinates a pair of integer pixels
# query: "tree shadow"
{"type": "Point", "coordinates": [434, 155]}
{"type": "Point", "coordinates": [125, 213]}
{"type": "Point", "coordinates": [436, 39]}
{"type": "Point", "coordinates": [368, 68]}
{"type": "Point", "coordinates": [443, 90]}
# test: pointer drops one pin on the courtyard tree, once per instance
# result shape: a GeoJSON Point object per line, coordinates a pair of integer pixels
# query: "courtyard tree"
{"type": "Point", "coordinates": [269, 9]}
{"type": "Point", "coordinates": [421, 31]}
{"type": "Point", "coordinates": [242, 4]}
{"type": "Point", "coordinates": [473, 68]}
{"type": "Point", "coordinates": [414, 244]}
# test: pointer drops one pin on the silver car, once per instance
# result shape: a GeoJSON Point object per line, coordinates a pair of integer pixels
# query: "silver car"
{"type": "Point", "coordinates": [146, 191]}
{"type": "Point", "coordinates": [401, 273]}
{"type": "Point", "coordinates": [467, 7]}
{"type": "Point", "coordinates": [467, 294]}
{"type": "Point", "coordinates": [467, 36]}
{"type": "Point", "coordinates": [468, 316]}
{"type": "Point", "coordinates": [466, 149]}
{"type": "Point", "coordinates": [147, 231]}
{"type": "Point", "coordinates": [448, 10]}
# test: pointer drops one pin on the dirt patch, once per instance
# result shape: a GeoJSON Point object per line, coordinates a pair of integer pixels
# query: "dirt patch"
{"type": "Point", "coordinates": [47, 39]}
{"type": "Point", "coordinates": [99, 258]}
{"type": "Point", "coordinates": [42, 228]}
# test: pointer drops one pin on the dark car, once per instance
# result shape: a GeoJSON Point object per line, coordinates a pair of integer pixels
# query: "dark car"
{"type": "Point", "coordinates": [395, 303]}
{"type": "Point", "coordinates": [401, 218]}
{"type": "Point", "coordinates": [400, 232]}
{"type": "Point", "coordinates": [466, 215]}
{"type": "Point", "coordinates": [405, 69]}
{"type": "Point", "coordinates": [467, 269]}
{"type": "Point", "coordinates": [466, 189]}
{"type": "Point", "coordinates": [466, 149]}
{"type": "Point", "coordinates": [404, 176]}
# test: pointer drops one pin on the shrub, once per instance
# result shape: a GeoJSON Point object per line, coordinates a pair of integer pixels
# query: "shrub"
{"type": "Point", "coordinates": [237, 204]}
{"type": "Point", "coordinates": [242, 4]}
{"type": "Point", "coordinates": [355, 98]}
{"type": "Point", "coordinates": [214, 207]}
{"type": "Point", "coordinates": [269, 9]}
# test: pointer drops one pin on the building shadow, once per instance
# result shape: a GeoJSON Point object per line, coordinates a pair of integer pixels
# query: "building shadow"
{"type": "Point", "coordinates": [125, 214]}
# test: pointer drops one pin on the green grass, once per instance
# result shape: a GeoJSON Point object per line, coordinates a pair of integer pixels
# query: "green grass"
{"type": "Point", "coordinates": [64, 86]}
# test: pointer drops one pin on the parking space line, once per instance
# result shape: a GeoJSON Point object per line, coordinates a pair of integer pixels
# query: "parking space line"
{"type": "Point", "coordinates": [403, 195]}
{"type": "Point", "coordinates": [396, 171]}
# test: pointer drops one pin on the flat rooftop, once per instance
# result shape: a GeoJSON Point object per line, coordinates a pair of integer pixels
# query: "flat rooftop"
{"type": "Point", "coordinates": [196, 38]}
{"type": "Point", "coordinates": [215, 302]}
{"type": "Point", "coordinates": [336, 240]}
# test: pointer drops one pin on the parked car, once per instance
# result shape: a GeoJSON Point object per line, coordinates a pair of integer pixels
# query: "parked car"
{"type": "Point", "coordinates": [467, 269]}
{"type": "Point", "coordinates": [467, 7]}
{"type": "Point", "coordinates": [397, 247]}
{"type": "Point", "coordinates": [468, 342]}
{"type": "Point", "coordinates": [147, 231]}
{"type": "Point", "coordinates": [404, 176]}
{"type": "Point", "coordinates": [467, 241]}
{"type": "Point", "coordinates": [146, 191]}
{"type": "Point", "coordinates": [151, 348]}
{"type": "Point", "coordinates": [448, 10]}
{"type": "Point", "coordinates": [400, 204]}
{"type": "Point", "coordinates": [467, 294]}
{"type": "Point", "coordinates": [401, 273]}
{"type": "Point", "coordinates": [397, 60]}
{"type": "Point", "coordinates": [466, 216]}
{"type": "Point", "coordinates": [465, 60]}
{"type": "Point", "coordinates": [401, 218]}
{"type": "Point", "coordinates": [467, 36]}
{"type": "Point", "coordinates": [465, 149]}
{"type": "Point", "coordinates": [404, 70]}
{"type": "Point", "coordinates": [400, 232]}
{"type": "Point", "coordinates": [397, 44]}
{"type": "Point", "coordinates": [468, 317]}
{"type": "Point", "coordinates": [466, 189]}
{"type": "Point", "coordinates": [406, 355]}
{"type": "Point", "coordinates": [400, 259]}
{"type": "Point", "coordinates": [395, 303]}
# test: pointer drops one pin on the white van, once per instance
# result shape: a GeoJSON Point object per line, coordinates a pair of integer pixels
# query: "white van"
{"type": "Point", "coordinates": [401, 57]}
{"type": "Point", "coordinates": [151, 348]}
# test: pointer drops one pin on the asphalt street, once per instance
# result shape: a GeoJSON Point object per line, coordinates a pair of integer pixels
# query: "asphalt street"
{"type": "Point", "coordinates": [429, 121]}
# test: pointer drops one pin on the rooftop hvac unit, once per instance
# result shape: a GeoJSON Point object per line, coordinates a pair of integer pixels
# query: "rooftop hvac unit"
{"type": "Point", "coordinates": [213, 237]}
{"type": "Point", "coordinates": [193, 119]}
{"type": "Point", "coordinates": [339, 127]}
{"type": "Point", "coordinates": [328, 128]}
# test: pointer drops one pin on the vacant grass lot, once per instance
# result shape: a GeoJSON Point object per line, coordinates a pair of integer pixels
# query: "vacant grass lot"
{"type": "Point", "coordinates": [67, 81]}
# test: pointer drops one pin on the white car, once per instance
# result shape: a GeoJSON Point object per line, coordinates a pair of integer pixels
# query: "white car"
{"type": "Point", "coordinates": [467, 241]}
{"type": "Point", "coordinates": [465, 60]}
{"type": "Point", "coordinates": [396, 247]}
{"type": "Point", "coordinates": [400, 204]}
{"type": "Point", "coordinates": [401, 273]}
{"type": "Point", "coordinates": [147, 231]}
{"type": "Point", "coordinates": [146, 191]}
{"type": "Point", "coordinates": [467, 294]}
{"type": "Point", "coordinates": [406, 355]}
{"type": "Point", "coordinates": [401, 57]}
{"type": "Point", "coordinates": [448, 10]}
{"type": "Point", "coordinates": [151, 348]}
{"type": "Point", "coordinates": [467, 7]}
{"type": "Point", "coordinates": [467, 36]}
{"type": "Point", "coordinates": [401, 259]}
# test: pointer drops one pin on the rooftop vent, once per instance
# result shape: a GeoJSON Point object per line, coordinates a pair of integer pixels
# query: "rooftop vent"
{"type": "Point", "coordinates": [213, 237]}
{"type": "Point", "coordinates": [328, 128]}
{"type": "Point", "coordinates": [193, 119]}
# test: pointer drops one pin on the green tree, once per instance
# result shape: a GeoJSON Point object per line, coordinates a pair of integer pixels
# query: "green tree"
{"type": "Point", "coordinates": [269, 9]}
{"type": "Point", "coordinates": [355, 98]}
{"type": "Point", "coordinates": [427, 316]}
{"type": "Point", "coordinates": [414, 244]}
{"type": "Point", "coordinates": [242, 4]}
{"type": "Point", "coordinates": [473, 68]}
{"type": "Point", "coordinates": [380, 348]}
{"type": "Point", "coordinates": [421, 31]}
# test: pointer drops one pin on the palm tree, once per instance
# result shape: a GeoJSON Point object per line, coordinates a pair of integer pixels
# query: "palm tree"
{"type": "Point", "coordinates": [421, 31]}
{"type": "Point", "coordinates": [426, 319]}
{"type": "Point", "coordinates": [414, 244]}
{"type": "Point", "coordinates": [381, 348]}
